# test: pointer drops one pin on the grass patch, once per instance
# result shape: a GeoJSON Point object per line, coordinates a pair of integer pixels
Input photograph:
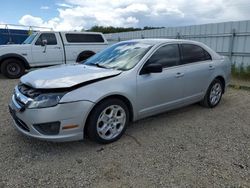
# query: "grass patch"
{"type": "Point", "coordinates": [241, 72]}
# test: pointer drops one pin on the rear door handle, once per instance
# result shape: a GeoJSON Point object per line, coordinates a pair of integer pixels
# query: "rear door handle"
{"type": "Point", "coordinates": [211, 67]}
{"type": "Point", "coordinates": [179, 74]}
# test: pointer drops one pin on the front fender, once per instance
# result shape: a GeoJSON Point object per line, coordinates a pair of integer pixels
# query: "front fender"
{"type": "Point", "coordinates": [97, 91]}
{"type": "Point", "coordinates": [14, 55]}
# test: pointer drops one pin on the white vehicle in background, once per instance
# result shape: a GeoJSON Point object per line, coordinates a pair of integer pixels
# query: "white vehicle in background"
{"type": "Point", "coordinates": [43, 49]}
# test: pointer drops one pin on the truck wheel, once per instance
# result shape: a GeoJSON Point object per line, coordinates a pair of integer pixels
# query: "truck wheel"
{"type": "Point", "coordinates": [84, 56]}
{"type": "Point", "coordinates": [12, 68]}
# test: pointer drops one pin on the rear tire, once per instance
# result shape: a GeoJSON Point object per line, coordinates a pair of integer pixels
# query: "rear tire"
{"type": "Point", "coordinates": [12, 68]}
{"type": "Point", "coordinates": [108, 121]}
{"type": "Point", "coordinates": [213, 95]}
{"type": "Point", "coordinates": [84, 56]}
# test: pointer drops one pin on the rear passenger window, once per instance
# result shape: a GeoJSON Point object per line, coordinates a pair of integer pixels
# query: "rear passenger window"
{"type": "Point", "coordinates": [167, 55]}
{"type": "Point", "coordinates": [50, 37]}
{"type": "Point", "coordinates": [193, 53]}
{"type": "Point", "coordinates": [81, 38]}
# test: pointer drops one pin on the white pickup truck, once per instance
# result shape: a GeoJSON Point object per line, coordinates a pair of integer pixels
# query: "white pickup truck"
{"type": "Point", "coordinates": [49, 48]}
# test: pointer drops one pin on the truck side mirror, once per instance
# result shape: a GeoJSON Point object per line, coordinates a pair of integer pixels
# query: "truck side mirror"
{"type": "Point", "coordinates": [44, 42]}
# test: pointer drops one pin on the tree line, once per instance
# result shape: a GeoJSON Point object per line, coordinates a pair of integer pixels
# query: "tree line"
{"type": "Point", "coordinates": [111, 29]}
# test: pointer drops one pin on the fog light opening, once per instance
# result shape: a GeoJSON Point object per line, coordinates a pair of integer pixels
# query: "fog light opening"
{"type": "Point", "coordinates": [51, 128]}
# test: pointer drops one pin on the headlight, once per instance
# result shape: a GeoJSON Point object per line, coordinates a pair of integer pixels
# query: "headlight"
{"type": "Point", "coordinates": [46, 100]}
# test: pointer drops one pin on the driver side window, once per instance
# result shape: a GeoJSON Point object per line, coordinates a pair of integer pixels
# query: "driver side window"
{"type": "Point", "coordinates": [167, 56]}
{"type": "Point", "coordinates": [50, 37]}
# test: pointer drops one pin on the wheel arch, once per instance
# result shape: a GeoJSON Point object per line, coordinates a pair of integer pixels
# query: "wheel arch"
{"type": "Point", "coordinates": [15, 56]}
{"type": "Point", "coordinates": [84, 55]}
{"type": "Point", "coordinates": [116, 96]}
{"type": "Point", "coordinates": [222, 79]}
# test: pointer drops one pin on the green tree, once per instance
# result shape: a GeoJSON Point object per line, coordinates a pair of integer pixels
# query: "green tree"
{"type": "Point", "coordinates": [111, 29]}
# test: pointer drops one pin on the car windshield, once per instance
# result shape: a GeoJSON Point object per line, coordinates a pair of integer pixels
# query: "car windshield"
{"type": "Point", "coordinates": [30, 38]}
{"type": "Point", "coordinates": [121, 56]}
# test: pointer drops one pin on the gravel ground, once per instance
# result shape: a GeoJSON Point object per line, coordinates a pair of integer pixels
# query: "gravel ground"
{"type": "Point", "coordinates": [240, 82]}
{"type": "Point", "coordinates": [189, 147]}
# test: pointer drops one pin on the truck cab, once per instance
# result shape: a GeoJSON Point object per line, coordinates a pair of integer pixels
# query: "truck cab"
{"type": "Point", "coordinates": [49, 48]}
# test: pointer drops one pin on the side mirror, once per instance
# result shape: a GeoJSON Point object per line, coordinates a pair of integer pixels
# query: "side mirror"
{"type": "Point", "coordinates": [44, 42]}
{"type": "Point", "coordinates": [152, 68]}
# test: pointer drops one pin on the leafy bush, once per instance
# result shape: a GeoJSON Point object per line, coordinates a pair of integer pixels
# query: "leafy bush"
{"type": "Point", "coordinates": [241, 71]}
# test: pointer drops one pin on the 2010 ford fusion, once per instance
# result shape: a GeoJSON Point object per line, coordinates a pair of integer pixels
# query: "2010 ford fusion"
{"type": "Point", "coordinates": [126, 82]}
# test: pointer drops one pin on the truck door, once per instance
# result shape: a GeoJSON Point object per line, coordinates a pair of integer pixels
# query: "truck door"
{"type": "Point", "coordinates": [47, 50]}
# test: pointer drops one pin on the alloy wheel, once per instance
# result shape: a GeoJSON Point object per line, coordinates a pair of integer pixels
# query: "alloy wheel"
{"type": "Point", "coordinates": [215, 93]}
{"type": "Point", "coordinates": [111, 122]}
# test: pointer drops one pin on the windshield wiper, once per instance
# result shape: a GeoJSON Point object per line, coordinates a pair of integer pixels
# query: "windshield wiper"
{"type": "Point", "coordinates": [101, 66]}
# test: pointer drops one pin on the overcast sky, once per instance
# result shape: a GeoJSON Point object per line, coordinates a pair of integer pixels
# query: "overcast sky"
{"type": "Point", "coordinates": [78, 14]}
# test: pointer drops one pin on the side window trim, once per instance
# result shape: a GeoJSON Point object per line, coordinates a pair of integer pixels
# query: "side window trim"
{"type": "Point", "coordinates": [206, 52]}
{"type": "Point", "coordinates": [48, 42]}
{"type": "Point", "coordinates": [181, 54]}
{"type": "Point", "coordinates": [152, 53]}
{"type": "Point", "coordinates": [177, 63]}
{"type": "Point", "coordinates": [80, 37]}
{"type": "Point", "coordinates": [36, 41]}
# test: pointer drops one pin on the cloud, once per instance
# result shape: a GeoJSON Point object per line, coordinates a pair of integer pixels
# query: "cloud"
{"type": "Point", "coordinates": [78, 14]}
{"type": "Point", "coordinates": [31, 20]}
{"type": "Point", "coordinates": [44, 7]}
{"type": "Point", "coordinates": [64, 5]}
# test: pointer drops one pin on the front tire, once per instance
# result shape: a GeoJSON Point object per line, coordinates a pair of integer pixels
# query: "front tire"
{"type": "Point", "coordinates": [12, 68]}
{"type": "Point", "coordinates": [108, 121]}
{"type": "Point", "coordinates": [213, 95]}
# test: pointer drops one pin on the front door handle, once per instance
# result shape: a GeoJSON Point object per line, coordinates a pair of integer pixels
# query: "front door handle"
{"type": "Point", "coordinates": [211, 67]}
{"type": "Point", "coordinates": [179, 74]}
{"type": "Point", "coordinates": [57, 47]}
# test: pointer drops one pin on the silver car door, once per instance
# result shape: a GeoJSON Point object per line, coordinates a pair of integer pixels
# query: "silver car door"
{"type": "Point", "coordinates": [198, 69]}
{"type": "Point", "coordinates": [157, 92]}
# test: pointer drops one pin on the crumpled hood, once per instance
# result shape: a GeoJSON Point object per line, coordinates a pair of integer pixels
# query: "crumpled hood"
{"type": "Point", "coordinates": [66, 76]}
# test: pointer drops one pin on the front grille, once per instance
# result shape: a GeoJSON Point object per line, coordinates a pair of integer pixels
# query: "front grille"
{"type": "Point", "coordinates": [21, 124]}
{"type": "Point", "coordinates": [28, 91]}
{"type": "Point", "coordinates": [18, 121]}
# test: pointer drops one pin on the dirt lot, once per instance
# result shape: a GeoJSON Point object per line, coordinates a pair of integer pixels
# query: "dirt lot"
{"type": "Point", "coordinates": [189, 147]}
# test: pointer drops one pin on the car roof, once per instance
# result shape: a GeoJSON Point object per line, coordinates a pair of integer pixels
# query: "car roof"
{"type": "Point", "coordinates": [155, 41]}
{"type": "Point", "coordinates": [160, 41]}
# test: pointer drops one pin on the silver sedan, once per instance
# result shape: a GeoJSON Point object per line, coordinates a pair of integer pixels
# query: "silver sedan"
{"type": "Point", "coordinates": [128, 81]}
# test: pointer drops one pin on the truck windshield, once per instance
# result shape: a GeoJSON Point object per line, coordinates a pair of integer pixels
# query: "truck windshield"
{"type": "Point", "coordinates": [121, 56]}
{"type": "Point", "coordinates": [30, 39]}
